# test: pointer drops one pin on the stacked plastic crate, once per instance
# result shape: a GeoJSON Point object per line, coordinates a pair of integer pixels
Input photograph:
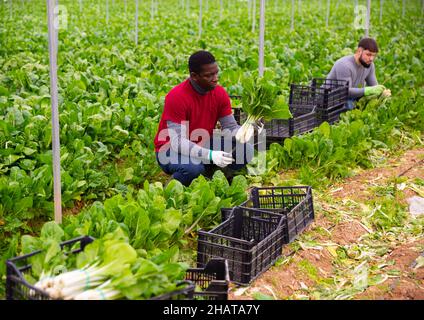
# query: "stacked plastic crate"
{"type": "Point", "coordinates": [251, 236]}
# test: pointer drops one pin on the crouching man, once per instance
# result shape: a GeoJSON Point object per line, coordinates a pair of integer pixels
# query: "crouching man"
{"type": "Point", "coordinates": [185, 143]}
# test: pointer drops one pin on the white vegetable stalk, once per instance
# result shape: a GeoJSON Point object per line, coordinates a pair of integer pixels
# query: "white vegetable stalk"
{"type": "Point", "coordinates": [247, 130]}
{"type": "Point", "coordinates": [71, 284]}
{"type": "Point", "coordinates": [103, 292]}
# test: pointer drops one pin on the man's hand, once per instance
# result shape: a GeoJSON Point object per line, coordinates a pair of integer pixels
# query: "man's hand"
{"type": "Point", "coordinates": [375, 90]}
{"type": "Point", "coordinates": [220, 158]}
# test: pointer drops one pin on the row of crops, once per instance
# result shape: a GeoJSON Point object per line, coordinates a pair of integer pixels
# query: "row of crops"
{"type": "Point", "coordinates": [111, 95]}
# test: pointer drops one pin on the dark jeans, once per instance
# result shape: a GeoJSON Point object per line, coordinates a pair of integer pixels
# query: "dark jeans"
{"type": "Point", "coordinates": [185, 169]}
{"type": "Point", "coordinates": [351, 103]}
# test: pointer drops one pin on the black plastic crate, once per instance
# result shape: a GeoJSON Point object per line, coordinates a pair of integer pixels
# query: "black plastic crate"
{"type": "Point", "coordinates": [294, 203]}
{"type": "Point", "coordinates": [331, 98]}
{"type": "Point", "coordinates": [213, 280]}
{"type": "Point", "coordinates": [226, 212]}
{"type": "Point", "coordinates": [17, 288]}
{"type": "Point", "coordinates": [251, 240]}
{"type": "Point", "coordinates": [303, 107]}
{"type": "Point", "coordinates": [239, 116]}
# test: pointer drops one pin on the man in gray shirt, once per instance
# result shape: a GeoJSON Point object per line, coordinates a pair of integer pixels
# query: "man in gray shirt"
{"type": "Point", "coordinates": [358, 70]}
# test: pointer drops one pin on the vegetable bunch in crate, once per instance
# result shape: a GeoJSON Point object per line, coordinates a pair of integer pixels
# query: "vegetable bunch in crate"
{"type": "Point", "coordinates": [87, 269]}
{"type": "Point", "coordinates": [109, 269]}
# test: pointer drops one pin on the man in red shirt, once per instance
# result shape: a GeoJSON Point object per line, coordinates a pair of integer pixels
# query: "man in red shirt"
{"type": "Point", "coordinates": [186, 143]}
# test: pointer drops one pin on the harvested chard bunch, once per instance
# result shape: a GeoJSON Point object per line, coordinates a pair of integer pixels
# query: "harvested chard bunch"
{"type": "Point", "coordinates": [100, 261]}
{"type": "Point", "coordinates": [260, 101]}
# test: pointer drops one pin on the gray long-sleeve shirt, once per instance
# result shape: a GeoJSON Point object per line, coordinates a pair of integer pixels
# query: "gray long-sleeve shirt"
{"type": "Point", "coordinates": [181, 144]}
{"type": "Point", "coordinates": [346, 68]}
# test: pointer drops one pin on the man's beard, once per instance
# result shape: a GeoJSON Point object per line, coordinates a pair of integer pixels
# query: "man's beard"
{"type": "Point", "coordinates": [364, 64]}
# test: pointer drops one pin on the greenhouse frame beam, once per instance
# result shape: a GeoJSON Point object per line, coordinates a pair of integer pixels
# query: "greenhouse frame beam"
{"type": "Point", "coordinates": [55, 112]}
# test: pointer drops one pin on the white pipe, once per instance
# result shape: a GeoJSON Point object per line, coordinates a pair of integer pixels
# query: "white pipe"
{"type": "Point", "coordinates": [261, 38]}
{"type": "Point", "coordinates": [327, 17]}
{"type": "Point", "coordinates": [367, 26]}
{"type": "Point", "coordinates": [107, 12]}
{"type": "Point", "coordinates": [403, 8]}
{"type": "Point", "coordinates": [136, 22]}
{"type": "Point", "coordinates": [292, 17]}
{"type": "Point", "coordinates": [200, 18]}
{"type": "Point", "coordinates": [381, 10]}
{"type": "Point", "coordinates": [220, 9]}
{"type": "Point", "coordinates": [254, 16]}
{"type": "Point", "coordinates": [55, 113]}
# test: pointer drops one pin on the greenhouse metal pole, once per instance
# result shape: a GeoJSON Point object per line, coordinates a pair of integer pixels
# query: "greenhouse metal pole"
{"type": "Point", "coordinates": [56, 30]}
{"type": "Point", "coordinates": [381, 10]}
{"type": "Point", "coordinates": [300, 8]}
{"type": "Point", "coordinates": [328, 14]}
{"type": "Point", "coordinates": [254, 16]}
{"type": "Point", "coordinates": [10, 10]}
{"type": "Point", "coordinates": [249, 9]}
{"type": "Point", "coordinates": [152, 9]}
{"type": "Point", "coordinates": [220, 9]}
{"type": "Point", "coordinates": [188, 8]}
{"type": "Point", "coordinates": [55, 113]}
{"type": "Point", "coordinates": [136, 22]}
{"type": "Point", "coordinates": [367, 22]}
{"type": "Point", "coordinates": [125, 5]}
{"type": "Point", "coordinates": [292, 17]}
{"type": "Point", "coordinates": [107, 11]}
{"type": "Point", "coordinates": [403, 8]}
{"type": "Point", "coordinates": [261, 39]}
{"type": "Point", "coordinates": [200, 18]}
{"type": "Point", "coordinates": [80, 5]}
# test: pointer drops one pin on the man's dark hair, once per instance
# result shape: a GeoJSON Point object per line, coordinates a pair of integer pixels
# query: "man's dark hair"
{"type": "Point", "coordinates": [368, 44]}
{"type": "Point", "coordinates": [198, 59]}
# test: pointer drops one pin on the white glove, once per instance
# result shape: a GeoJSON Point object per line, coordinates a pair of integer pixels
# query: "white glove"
{"type": "Point", "coordinates": [221, 158]}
